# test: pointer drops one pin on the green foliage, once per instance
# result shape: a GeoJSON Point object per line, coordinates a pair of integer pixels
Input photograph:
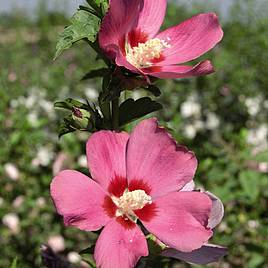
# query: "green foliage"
{"type": "Point", "coordinates": [69, 104]}
{"type": "Point", "coordinates": [228, 165]}
{"type": "Point", "coordinates": [84, 25]}
{"type": "Point", "coordinates": [154, 90]}
{"type": "Point", "coordinates": [130, 110]}
{"type": "Point", "coordinates": [250, 183]}
{"type": "Point", "coordinates": [87, 256]}
{"type": "Point", "coordinates": [96, 73]}
{"type": "Point", "coordinates": [14, 263]}
{"type": "Point", "coordinates": [83, 117]}
{"type": "Point", "coordinates": [101, 6]}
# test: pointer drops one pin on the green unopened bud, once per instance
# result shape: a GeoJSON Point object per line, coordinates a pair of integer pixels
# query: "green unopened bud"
{"type": "Point", "coordinates": [82, 119]}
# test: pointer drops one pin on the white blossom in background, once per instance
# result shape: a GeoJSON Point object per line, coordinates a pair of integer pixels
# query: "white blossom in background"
{"type": "Point", "coordinates": [223, 227]}
{"type": "Point", "coordinates": [212, 121]}
{"type": "Point", "coordinates": [253, 224]}
{"type": "Point", "coordinates": [253, 105]}
{"type": "Point", "coordinates": [11, 171]}
{"type": "Point", "coordinates": [198, 124]}
{"type": "Point", "coordinates": [82, 161]}
{"type": "Point", "coordinates": [32, 118]}
{"type": "Point", "coordinates": [225, 265]}
{"type": "Point", "coordinates": [36, 103]}
{"type": "Point", "coordinates": [40, 202]}
{"type": "Point", "coordinates": [263, 167]}
{"type": "Point", "coordinates": [48, 108]}
{"type": "Point", "coordinates": [74, 257]}
{"type": "Point", "coordinates": [56, 242]}
{"type": "Point", "coordinates": [12, 76]}
{"type": "Point", "coordinates": [189, 131]}
{"type": "Point", "coordinates": [18, 201]}
{"type": "Point", "coordinates": [191, 107]}
{"type": "Point", "coordinates": [33, 98]}
{"type": "Point", "coordinates": [14, 103]}
{"type": "Point", "coordinates": [12, 221]}
{"type": "Point", "coordinates": [258, 136]}
{"type": "Point", "coordinates": [43, 158]}
{"type": "Point", "coordinates": [30, 101]}
{"type": "Point", "coordinates": [91, 93]}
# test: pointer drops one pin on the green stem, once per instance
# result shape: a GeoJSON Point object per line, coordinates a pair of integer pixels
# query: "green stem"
{"type": "Point", "coordinates": [115, 113]}
{"type": "Point", "coordinates": [105, 108]}
{"type": "Point", "coordinates": [96, 47]}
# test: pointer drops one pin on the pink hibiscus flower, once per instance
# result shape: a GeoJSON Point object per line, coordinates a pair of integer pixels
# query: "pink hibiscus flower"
{"type": "Point", "coordinates": [129, 35]}
{"type": "Point", "coordinates": [143, 176]}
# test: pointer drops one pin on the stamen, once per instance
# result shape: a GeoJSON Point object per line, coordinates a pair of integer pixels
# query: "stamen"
{"type": "Point", "coordinates": [131, 201]}
{"type": "Point", "coordinates": [142, 55]}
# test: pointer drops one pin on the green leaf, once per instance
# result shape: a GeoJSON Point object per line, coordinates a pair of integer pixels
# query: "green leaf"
{"type": "Point", "coordinates": [87, 256]}
{"type": "Point", "coordinates": [82, 117]}
{"type": "Point", "coordinates": [250, 183]}
{"type": "Point", "coordinates": [65, 128]}
{"type": "Point", "coordinates": [88, 9]}
{"type": "Point", "coordinates": [88, 250]}
{"type": "Point", "coordinates": [84, 25]}
{"type": "Point", "coordinates": [154, 90]}
{"type": "Point", "coordinates": [261, 157]}
{"type": "Point", "coordinates": [69, 104]}
{"type": "Point", "coordinates": [14, 263]}
{"type": "Point", "coordinates": [101, 5]}
{"type": "Point", "coordinates": [256, 260]}
{"type": "Point", "coordinates": [96, 73]}
{"type": "Point", "coordinates": [131, 110]}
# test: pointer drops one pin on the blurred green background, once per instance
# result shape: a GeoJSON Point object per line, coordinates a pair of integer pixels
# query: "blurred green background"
{"type": "Point", "coordinates": [222, 118]}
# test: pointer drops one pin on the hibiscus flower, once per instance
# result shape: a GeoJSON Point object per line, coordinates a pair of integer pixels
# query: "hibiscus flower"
{"type": "Point", "coordinates": [130, 35]}
{"type": "Point", "coordinates": [142, 178]}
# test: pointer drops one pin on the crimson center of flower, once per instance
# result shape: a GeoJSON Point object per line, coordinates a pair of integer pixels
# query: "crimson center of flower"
{"type": "Point", "coordinates": [142, 55]}
{"type": "Point", "coordinates": [129, 202]}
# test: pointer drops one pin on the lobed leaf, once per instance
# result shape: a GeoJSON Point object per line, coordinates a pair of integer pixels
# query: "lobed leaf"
{"type": "Point", "coordinates": [101, 5]}
{"type": "Point", "coordinates": [84, 25]}
{"type": "Point", "coordinates": [154, 90]}
{"type": "Point", "coordinates": [95, 73]}
{"type": "Point", "coordinates": [131, 110]}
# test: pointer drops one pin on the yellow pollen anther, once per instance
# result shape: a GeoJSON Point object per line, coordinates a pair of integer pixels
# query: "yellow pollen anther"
{"type": "Point", "coordinates": [130, 201]}
{"type": "Point", "coordinates": [142, 55]}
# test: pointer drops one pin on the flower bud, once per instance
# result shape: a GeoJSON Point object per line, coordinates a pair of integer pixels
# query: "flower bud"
{"type": "Point", "coordinates": [82, 119]}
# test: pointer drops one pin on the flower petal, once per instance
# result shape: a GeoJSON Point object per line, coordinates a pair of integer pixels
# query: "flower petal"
{"type": "Point", "coordinates": [122, 61]}
{"type": "Point", "coordinates": [156, 161]}
{"type": "Point", "coordinates": [217, 211]}
{"type": "Point", "coordinates": [189, 186]}
{"type": "Point", "coordinates": [121, 17]}
{"type": "Point", "coordinates": [191, 39]}
{"type": "Point", "coordinates": [180, 220]}
{"type": "Point", "coordinates": [118, 246]}
{"type": "Point", "coordinates": [180, 71]}
{"type": "Point", "coordinates": [106, 155]}
{"type": "Point", "coordinates": [206, 254]}
{"type": "Point", "coordinates": [79, 200]}
{"type": "Point", "coordinates": [152, 16]}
